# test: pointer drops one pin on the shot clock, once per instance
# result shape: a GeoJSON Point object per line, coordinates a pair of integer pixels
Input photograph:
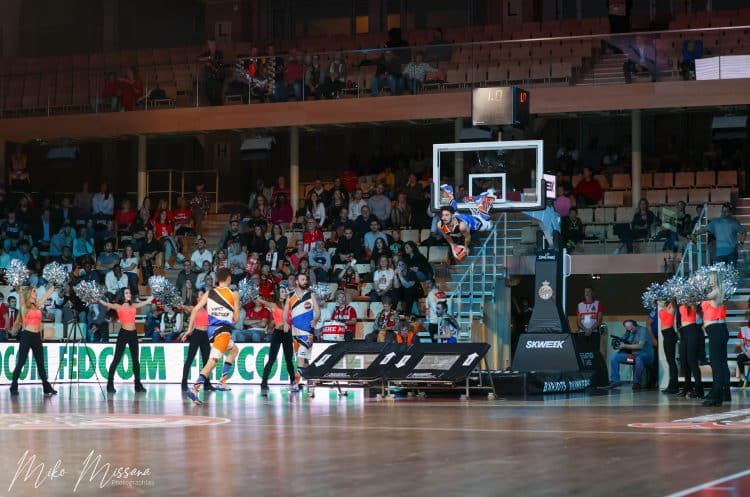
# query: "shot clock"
{"type": "Point", "coordinates": [500, 106]}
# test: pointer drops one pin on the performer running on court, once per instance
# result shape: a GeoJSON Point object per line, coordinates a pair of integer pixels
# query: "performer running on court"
{"type": "Point", "coordinates": [223, 307]}
{"type": "Point", "coordinates": [281, 338]}
{"type": "Point", "coordinates": [126, 311]}
{"type": "Point", "coordinates": [198, 341]}
{"type": "Point", "coordinates": [302, 310]}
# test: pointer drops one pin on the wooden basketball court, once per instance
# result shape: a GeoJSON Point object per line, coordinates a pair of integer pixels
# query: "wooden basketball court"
{"type": "Point", "coordinates": [240, 444]}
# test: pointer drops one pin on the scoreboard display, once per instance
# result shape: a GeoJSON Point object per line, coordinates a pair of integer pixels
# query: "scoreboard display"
{"type": "Point", "coordinates": [500, 106]}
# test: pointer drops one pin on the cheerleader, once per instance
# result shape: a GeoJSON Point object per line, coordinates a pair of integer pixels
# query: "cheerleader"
{"type": "Point", "coordinates": [691, 344]}
{"type": "Point", "coordinates": [666, 325]}
{"type": "Point", "coordinates": [126, 311]}
{"type": "Point", "coordinates": [279, 338]}
{"type": "Point", "coordinates": [714, 322]}
{"type": "Point", "coordinates": [30, 338]}
{"type": "Point", "coordinates": [198, 340]}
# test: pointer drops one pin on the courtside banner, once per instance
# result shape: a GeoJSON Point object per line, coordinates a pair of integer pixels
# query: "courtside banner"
{"type": "Point", "coordinates": [160, 363]}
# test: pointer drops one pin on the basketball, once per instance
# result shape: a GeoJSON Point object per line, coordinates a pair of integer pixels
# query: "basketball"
{"type": "Point", "coordinates": [460, 252]}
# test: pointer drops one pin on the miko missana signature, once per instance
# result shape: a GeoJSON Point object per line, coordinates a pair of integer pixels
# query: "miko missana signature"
{"type": "Point", "coordinates": [93, 469]}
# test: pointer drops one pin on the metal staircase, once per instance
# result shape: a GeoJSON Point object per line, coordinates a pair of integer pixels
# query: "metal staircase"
{"type": "Point", "coordinates": [472, 281]}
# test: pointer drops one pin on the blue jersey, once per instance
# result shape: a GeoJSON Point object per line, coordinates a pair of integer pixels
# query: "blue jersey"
{"type": "Point", "coordinates": [302, 311]}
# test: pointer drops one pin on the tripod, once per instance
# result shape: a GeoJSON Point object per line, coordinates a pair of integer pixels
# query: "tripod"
{"type": "Point", "coordinates": [73, 340]}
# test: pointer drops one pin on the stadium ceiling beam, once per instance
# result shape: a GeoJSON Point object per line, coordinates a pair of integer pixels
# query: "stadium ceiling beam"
{"type": "Point", "coordinates": [361, 111]}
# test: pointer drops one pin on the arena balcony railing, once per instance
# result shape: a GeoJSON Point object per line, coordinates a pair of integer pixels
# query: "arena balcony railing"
{"type": "Point", "coordinates": [95, 83]}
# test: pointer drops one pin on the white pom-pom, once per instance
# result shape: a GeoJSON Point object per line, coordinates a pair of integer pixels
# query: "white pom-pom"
{"type": "Point", "coordinates": [88, 291]}
{"type": "Point", "coordinates": [322, 291]}
{"type": "Point", "coordinates": [248, 290]}
{"type": "Point", "coordinates": [17, 273]}
{"type": "Point", "coordinates": [56, 274]}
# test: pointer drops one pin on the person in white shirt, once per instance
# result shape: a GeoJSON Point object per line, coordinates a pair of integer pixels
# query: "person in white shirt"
{"type": "Point", "coordinates": [103, 203]}
{"type": "Point", "coordinates": [201, 255]}
{"type": "Point", "coordinates": [315, 208]}
{"type": "Point", "coordinates": [52, 306]}
{"type": "Point", "coordinates": [383, 279]}
{"type": "Point", "coordinates": [356, 204]}
{"type": "Point", "coordinates": [434, 296]}
{"type": "Point", "coordinates": [415, 72]}
{"type": "Point", "coordinates": [129, 266]}
{"type": "Point", "coordinates": [115, 281]}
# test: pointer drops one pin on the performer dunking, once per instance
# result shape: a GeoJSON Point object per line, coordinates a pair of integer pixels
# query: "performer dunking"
{"type": "Point", "coordinates": [198, 340]}
{"type": "Point", "coordinates": [302, 311]}
{"type": "Point", "coordinates": [691, 343]}
{"type": "Point", "coordinates": [30, 337]}
{"type": "Point", "coordinates": [457, 227]}
{"type": "Point", "coordinates": [223, 308]}
{"type": "Point", "coordinates": [127, 336]}
{"type": "Point", "coordinates": [714, 322]}
{"type": "Point", "coordinates": [281, 338]}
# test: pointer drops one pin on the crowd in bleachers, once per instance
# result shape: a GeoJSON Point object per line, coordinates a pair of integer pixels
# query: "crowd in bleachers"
{"type": "Point", "coordinates": [368, 236]}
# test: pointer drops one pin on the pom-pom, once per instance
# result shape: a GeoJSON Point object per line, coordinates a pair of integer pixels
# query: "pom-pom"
{"type": "Point", "coordinates": [56, 274]}
{"type": "Point", "coordinates": [16, 274]}
{"type": "Point", "coordinates": [165, 291]}
{"type": "Point", "coordinates": [322, 291]}
{"type": "Point", "coordinates": [88, 291]}
{"type": "Point", "coordinates": [248, 290]}
{"type": "Point", "coordinates": [729, 279]}
{"type": "Point", "coordinates": [651, 295]}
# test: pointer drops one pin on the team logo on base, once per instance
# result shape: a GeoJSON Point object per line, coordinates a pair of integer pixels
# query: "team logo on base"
{"type": "Point", "coordinates": [545, 291]}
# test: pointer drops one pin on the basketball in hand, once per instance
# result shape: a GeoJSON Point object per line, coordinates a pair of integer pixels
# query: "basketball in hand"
{"type": "Point", "coordinates": [460, 252]}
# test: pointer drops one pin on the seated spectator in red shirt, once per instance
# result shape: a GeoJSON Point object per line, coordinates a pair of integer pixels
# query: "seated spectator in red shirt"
{"type": "Point", "coordinates": [345, 314]}
{"type": "Point", "coordinates": [281, 211]}
{"type": "Point", "coordinates": [184, 225]}
{"type": "Point", "coordinates": [588, 191]}
{"type": "Point", "coordinates": [253, 264]}
{"type": "Point", "coordinates": [268, 282]}
{"type": "Point", "coordinates": [298, 255]}
{"type": "Point", "coordinates": [312, 235]}
{"type": "Point", "coordinates": [130, 88]}
{"type": "Point", "coordinates": [125, 218]}
{"type": "Point", "coordinates": [111, 91]}
{"type": "Point", "coordinates": [254, 323]}
{"type": "Point", "coordinates": [164, 231]}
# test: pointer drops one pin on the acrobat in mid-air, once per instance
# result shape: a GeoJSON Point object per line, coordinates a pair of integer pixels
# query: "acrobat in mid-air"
{"type": "Point", "coordinates": [457, 227]}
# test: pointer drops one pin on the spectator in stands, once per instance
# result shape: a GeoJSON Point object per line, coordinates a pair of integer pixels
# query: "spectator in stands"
{"type": "Point", "coordinates": [277, 235]}
{"type": "Point", "coordinates": [43, 230]}
{"type": "Point", "coordinates": [382, 280]}
{"type": "Point", "coordinates": [417, 262]}
{"type": "Point", "coordinates": [434, 296]}
{"type": "Point", "coordinates": [691, 51]}
{"type": "Point", "coordinates": [728, 234]}
{"type": "Point", "coordinates": [415, 73]}
{"type": "Point", "coordinates": [170, 326]}
{"type": "Point", "coordinates": [385, 322]}
{"type": "Point", "coordinates": [146, 207]}
{"type": "Point", "coordinates": [273, 258]}
{"type": "Point", "coordinates": [125, 218]}
{"type": "Point", "coordinates": [254, 325]}
{"type": "Point", "coordinates": [130, 88]}
{"type": "Point", "coordinates": [356, 204]}
{"type": "Point", "coordinates": [213, 62]}
{"type": "Point", "coordinates": [150, 254]}
{"type": "Point", "coordinates": [304, 268]}
{"type": "Point", "coordinates": [82, 245]}
{"type": "Point", "coordinates": [260, 190]}
{"type": "Point", "coordinates": [572, 229]}
{"type": "Point", "coordinates": [110, 92]}
{"type": "Point", "coordinates": [205, 273]}
{"type": "Point", "coordinates": [187, 274]}
{"type": "Point", "coordinates": [60, 240]}
{"type": "Point", "coordinates": [364, 222]}
{"type": "Point", "coordinates": [184, 225]}
{"type": "Point", "coordinates": [406, 288]}
{"type": "Point", "coordinates": [320, 261]}
{"type": "Point", "coordinates": [407, 331]}
{"type": "Point", "coordinates": [103, 203]}
{"type": "Point", "coordinates": [220, 260]}
{"type": "Point", "coordinates": [261, 204]}
{"type": "Point", "coordinates": [236, 262]}
{"type": "Point", "coordinates": [349, 281]}
{"type": "Point", "coordinates": [314, 208]}
{"type": "Point", "coordinates": [312, 235]}
{"type": "Point", "coordinates": [380, 205]}
{"type": "Point", "coordinates": [379, 250]}
{"type": "Point", "coordinates": [295, 72]}
{"type": "Point", "coordinates": [636, 342]}
{"type": "Point", "coordinates": [315, 76]}
{"type": "Point", "coordinates": [348, 248]}
{"type": "Point", "coordinates": [199, 205]}
{"type": "Point", "coordinates": [297, 256]}
{"type": "Point", "coordinates": [60, 214]}
{"type": "Point", "coordinates": [107, 259]}
{"type": "Point", "coordinates": [336, 77]}
{"type": "Point", "coordinates": [640, 227]}
{"type": "Point", "coordinates": [563, 202]}
{"type": "Point", "coordinates": [338, 209]}
{"type": "Point", "coordinates": [281, 211]}
{"type": "Point", "coordinates": [388, 73]}
{"type": "Point", "coordinates": [164, 232]}
{"type": "Point", "coordinates": [115, 281]}
{"type": "Point", "coordinates": [372, 235]}
{"type": "Point", "coordinates": [233, 234]}
{"type": "Point", "coordinates": [275, 74]}
{"type": "Point", "coordinates": [675, 223]}
{"type": "Point", "coordinates": [142, 224]}
{"type": "Point", "coordinates": [82, 202]}
{"type": "Point", "coordinates": [22, 252]}
{"type": "Point", "coordinates": [129, 265]}
{"type": "Point", "coordinates": [440, 49]}
{"type": "Point", "coordinates": [448, 327]}
{"type": "Point", "coordinates": [588, 191]}
{"type": "Point", "coordinates": [11, 231]}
